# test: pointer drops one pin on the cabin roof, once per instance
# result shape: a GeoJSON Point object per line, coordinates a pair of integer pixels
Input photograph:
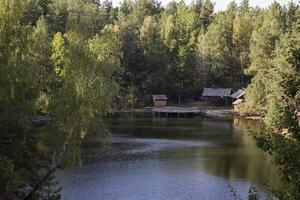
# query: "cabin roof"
{"type": "Point", "coordinates": [216, 92]}
{"type": "Point", "coordinates": [238, 94]}
{"type": "Point", "coordinates": [159, 97]}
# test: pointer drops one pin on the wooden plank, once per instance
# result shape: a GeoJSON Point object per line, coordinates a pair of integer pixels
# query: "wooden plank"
{"type": "Point", "coordinates": [175, 110]}
{"type": "Point", "coordinates": [179, 112]}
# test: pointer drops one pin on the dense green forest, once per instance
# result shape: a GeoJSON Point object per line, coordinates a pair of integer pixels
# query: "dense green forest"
{"type": "Point", "coordinates": [73, 61]}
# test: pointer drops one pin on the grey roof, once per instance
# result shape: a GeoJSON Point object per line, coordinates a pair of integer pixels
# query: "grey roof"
{"type": "Point", "coordinates": [238, 94]}
{"type": "Point", "coordinates": [216, 92]}
{"type": "Point", "coordinates": [159, 97]}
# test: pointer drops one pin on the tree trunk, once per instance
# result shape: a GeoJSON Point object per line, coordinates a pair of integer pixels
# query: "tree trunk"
{"type": "Point", "coordinates": [55, 165]}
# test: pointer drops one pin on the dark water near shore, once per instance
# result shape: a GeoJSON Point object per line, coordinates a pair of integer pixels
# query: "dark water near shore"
{"type": "Point", "coordinates": [172, 159]}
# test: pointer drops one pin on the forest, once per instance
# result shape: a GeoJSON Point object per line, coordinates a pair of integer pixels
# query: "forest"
{"type": "Point", "coordinates": [74, 61]}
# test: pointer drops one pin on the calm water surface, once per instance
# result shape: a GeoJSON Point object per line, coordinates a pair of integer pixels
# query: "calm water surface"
{"type": "Point", "coordinates": [171, 159]}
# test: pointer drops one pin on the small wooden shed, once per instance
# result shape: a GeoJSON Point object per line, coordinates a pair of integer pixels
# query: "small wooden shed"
{"type": "Point", "coordinates": [217, 95]}
{"type": "Point", "coordinates": [159, 100]}
{"type": "Point", "coordinates": [238, 98]}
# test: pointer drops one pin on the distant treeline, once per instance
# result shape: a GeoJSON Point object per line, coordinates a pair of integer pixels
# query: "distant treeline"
{"type": "Point", "coordinates": [180, 49]}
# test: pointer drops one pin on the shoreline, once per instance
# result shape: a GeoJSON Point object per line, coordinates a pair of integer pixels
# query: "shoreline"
{"type": "Point", "coordinates": [209, 112]}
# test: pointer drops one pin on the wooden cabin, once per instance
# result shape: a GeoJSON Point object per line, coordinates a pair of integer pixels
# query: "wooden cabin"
{"type": "Point", "coordinates": [217, 95]}
{"type": "Point", "coordinates": [238, 98]}
{"type": "Point", "coordinates": [159, 101]}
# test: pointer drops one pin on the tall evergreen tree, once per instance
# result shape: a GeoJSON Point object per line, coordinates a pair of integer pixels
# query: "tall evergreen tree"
{"type": "Point", "coordinates": [264, 39]}
{"type": "Point", "coordinates": [242, 31]}
{"type": "Point", "coordinates": [217, 49]}
{"type": "Point", "coordinates": [179, 34]}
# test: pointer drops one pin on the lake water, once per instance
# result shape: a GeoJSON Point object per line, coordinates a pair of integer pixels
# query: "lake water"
{"type": "Point", "coordinates": [169, 159]}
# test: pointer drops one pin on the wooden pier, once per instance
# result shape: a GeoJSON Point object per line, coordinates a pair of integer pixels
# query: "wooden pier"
{"type": "Point", "coordinates": [179, 112]}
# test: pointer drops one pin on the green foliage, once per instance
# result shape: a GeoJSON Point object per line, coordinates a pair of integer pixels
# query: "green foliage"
{"type": "Point", "coordinates": [264, 39]}
{"type": "Point", "coordinates": [277, 114]}
{"type": "Point", "coordinates": [57, 16]}
{"type": "Point", "coordinates": [275, 64]}
{"type": "Point", "coordinates": [256, 92]}
{"type": "Point", "coordinates": [242, 32]}
{"type": "Point", "coordinates": [206, 14]}
{"type": "Point", "coordinates": [253, 194]}
{"type": "Point", "coordinates": [285, 150]}
{"type": "Point", "coordinates": [217, 50]}
{"type": "Point", "coordinates": [8, 175]}
{"type": "Point", "coordinates": [68, 76]}
{"type": "Point", "coordinates": [179, 33]}
{"type": "Point", "coordinates": [59, 56]}
{"type": "Point", "coordinates": [131, 98]}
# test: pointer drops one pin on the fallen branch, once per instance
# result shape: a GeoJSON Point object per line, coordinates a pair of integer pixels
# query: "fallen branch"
{"type": "Point", "coordinates": [55, 165]}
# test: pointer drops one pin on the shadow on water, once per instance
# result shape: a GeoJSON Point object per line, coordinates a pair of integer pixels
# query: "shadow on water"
{"type": "Point", "coordinates": [225, 147]}
{"type": "Point", "coordinates": [151, 158]}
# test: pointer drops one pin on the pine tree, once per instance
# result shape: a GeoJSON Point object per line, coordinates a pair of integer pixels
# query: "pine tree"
{"type": "Point", "coordinates": [242, 31]}
{"type": "Point", "coordinates": [217, 50]}
{"type": "Point", "coordinates": [206, 14]}
{"type": "Point", "coordinates": [264, 39]}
